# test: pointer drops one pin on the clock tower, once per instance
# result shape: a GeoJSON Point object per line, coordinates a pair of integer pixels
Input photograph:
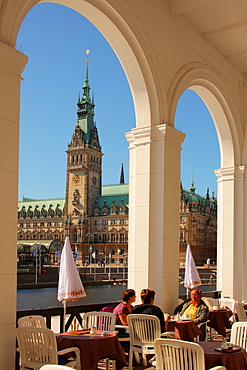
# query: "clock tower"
{"type": "Point", "coordinates": [84, 167]}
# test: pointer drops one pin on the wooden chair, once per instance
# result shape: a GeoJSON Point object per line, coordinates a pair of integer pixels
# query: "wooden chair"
{"type": "Point", "coordinates": [38, 347]}
{"type": "Point", "coordinates": [172, 354]}
{"type": "Point", "coordinates": [239, 334]}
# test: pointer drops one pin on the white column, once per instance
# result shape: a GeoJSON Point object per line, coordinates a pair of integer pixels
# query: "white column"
{"type": "Point", "coordinates": [231, 250]}
{"type": "Point", "coordinates": [12, 64]}
{"type": "Point", "coordinates": [154, 193]}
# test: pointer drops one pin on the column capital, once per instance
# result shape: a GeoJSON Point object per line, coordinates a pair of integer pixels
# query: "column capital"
{"type": "Point", "coordinates": [230, 173]}
{"type": "Point", "coordinates": [12, 61]}
{"type": "Point", "coordinates": [158, 133]}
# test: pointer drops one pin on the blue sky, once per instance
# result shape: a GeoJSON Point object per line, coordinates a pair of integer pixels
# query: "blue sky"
{"type": "Point", "coordinates": [55, 39]}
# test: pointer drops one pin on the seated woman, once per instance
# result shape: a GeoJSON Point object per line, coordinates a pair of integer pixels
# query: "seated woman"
{"type": "Point", "coordinates": [149, 308]}
{"type": "Point", "coordinates": [125, 307]}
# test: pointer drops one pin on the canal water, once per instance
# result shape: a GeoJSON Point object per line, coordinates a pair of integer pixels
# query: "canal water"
{"type": "Point", "coordinates": [47, 297]}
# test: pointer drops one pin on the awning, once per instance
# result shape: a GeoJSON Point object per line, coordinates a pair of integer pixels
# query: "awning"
{"type": "Point", "coordinates": [47, 245]}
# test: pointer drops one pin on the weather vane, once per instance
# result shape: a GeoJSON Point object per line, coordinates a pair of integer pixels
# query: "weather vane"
{"type": "Point", "coordinates": [87, 52]}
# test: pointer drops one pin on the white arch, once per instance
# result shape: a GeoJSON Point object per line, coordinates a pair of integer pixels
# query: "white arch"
{"type": "Point", "coordinates": [208, 86]}
{"type": "Point", "coordinates": [121, 37]}
{"type": "Point", "coordinates": [231, 176]}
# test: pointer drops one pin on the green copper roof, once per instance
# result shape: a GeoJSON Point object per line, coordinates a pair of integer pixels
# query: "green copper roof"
{"type": "Point", "coordinates": [32, 204]}
{"type": "Point", "coordinates": [115, 189]}
{"type": "Point", "coordinates": [114, 193]}
{"type": "Point", "coordinates": [193, 197]}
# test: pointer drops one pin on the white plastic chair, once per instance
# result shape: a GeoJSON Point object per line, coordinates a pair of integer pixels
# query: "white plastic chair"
{"type": "Point", "coordinates": [231, 304]}
{"type": "Point", "coordinates": [35, 320]}
{"type": "Point", "coordinates": [241, 312]}
{"type": "Point", "coordinates": [197, 339]}
{"type": "Point", "coordinates": [143, 329]}
{"type": "Point", "coordinates": [100, 320]}
{"type": "Point", "coordinates": [38, 347]}
{"type": "Point", "coordinates": [55, 367]}
{"type": "Point", "coordinates": [172, 354]}
{"type": "Point", "coordinates": [227, 302]}
{"type": "Point", "coordinates": [210, 302]}
{"type": "Point", "coordinates": [239, 334]}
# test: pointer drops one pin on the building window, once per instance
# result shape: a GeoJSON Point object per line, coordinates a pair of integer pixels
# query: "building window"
{"type": "Point", "coordinates": [122, 238]}
{"type": "Point", "coordinates": [113, 222]}
{"type": "Point", "coordinates": [121, 222]}
{"type": "Point", "coordinates": [104, 222]}
{"type": "Point", "coordinates": [96, 238]}
{"type": "Point", "coordinates": [104, 238]}
{"type": "Point", "coordinates": [113, 238]}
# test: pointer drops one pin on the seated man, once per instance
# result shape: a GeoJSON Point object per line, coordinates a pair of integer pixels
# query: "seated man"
{"type": "Point", "coordinates": [148, 308]}
{"type": "Point", "coordinates": [196, 308]}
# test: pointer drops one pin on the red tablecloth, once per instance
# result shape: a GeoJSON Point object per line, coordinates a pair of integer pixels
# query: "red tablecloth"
{"type": "Point", "coordinates": [219, 320]}
{"type": "Point", "coordinates": [93, 348]}
{"type": "Point", "coordinates": [232, 361]}
{"type": "Point", "coordinates": [186, 330]}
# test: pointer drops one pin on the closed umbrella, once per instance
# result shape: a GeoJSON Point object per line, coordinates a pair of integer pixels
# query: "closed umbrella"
{"type": "Point", "coordinates": [70, 287]}
{"type": "Point", "coordinates": [191, 278]}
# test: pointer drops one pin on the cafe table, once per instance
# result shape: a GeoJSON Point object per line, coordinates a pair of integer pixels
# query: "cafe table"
{"type": "Point", "coordinates": [219, 320]}
{"type": "Point", "coordinates": [185, 329]}
{"type": "Point", "coordinates": [93, 347]}
{"type": "Point", "coordinates": [231, 360]}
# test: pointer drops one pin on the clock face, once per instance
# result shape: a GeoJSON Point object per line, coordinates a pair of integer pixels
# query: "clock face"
{"type": "Point", "coordinates": [76, 180]}
{"type": "Point", "coordinates": [94, 180]}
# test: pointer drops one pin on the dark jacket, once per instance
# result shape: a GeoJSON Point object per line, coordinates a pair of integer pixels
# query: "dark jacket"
{"type": "Point", "coordinates": [201, 311]}
{"type": "Point", "coordinates": [150, 309]}
{"type": "Point", "coordinates": [201, 314]}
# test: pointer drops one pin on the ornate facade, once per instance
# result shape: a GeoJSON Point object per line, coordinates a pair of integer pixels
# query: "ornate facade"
{"type": "Point", "coordinates": [95, 217]}
{"type": "Point", "coordinates": [198, 225]}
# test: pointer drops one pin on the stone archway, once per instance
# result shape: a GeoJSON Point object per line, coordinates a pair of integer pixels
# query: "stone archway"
{"type": "Point", "coordinates": [158, 51]}
{"type": "Point", "coordinates": [231, 175]}
{"type": "Point", "coordinates": [12, 64]}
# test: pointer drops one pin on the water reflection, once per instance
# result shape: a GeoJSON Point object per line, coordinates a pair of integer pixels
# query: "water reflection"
{"type": "Point", "coordinates": [47, 297]}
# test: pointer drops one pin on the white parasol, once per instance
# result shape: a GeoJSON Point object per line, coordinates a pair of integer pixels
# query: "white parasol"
{"type": "Point", "coordinates": [70, 287]}
{"type": "Point", "coordinates": [191, 278]}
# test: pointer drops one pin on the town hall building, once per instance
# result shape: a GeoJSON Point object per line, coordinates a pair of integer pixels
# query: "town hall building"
{"type": "Point", "coordinates": [95, 217]}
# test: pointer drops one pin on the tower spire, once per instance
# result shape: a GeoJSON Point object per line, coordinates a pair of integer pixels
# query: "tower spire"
{"type": "Point", "coordinates": [86, 87]}
{"type": "Point", "coordinates": [192, 185]}
{"type": "Point", "coordinates": [122, 175]}
{"type": "Point", "coordinates": [85, 112]}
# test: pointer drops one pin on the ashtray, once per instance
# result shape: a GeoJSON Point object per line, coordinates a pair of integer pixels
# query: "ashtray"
{"type": "Point", "coordinates": [105, 334]}
{"type": "Point", "coordinates": [228, 350]}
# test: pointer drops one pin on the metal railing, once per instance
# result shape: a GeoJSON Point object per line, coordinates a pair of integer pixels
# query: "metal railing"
{"type": "Point", "coordinates": [72, 311]}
